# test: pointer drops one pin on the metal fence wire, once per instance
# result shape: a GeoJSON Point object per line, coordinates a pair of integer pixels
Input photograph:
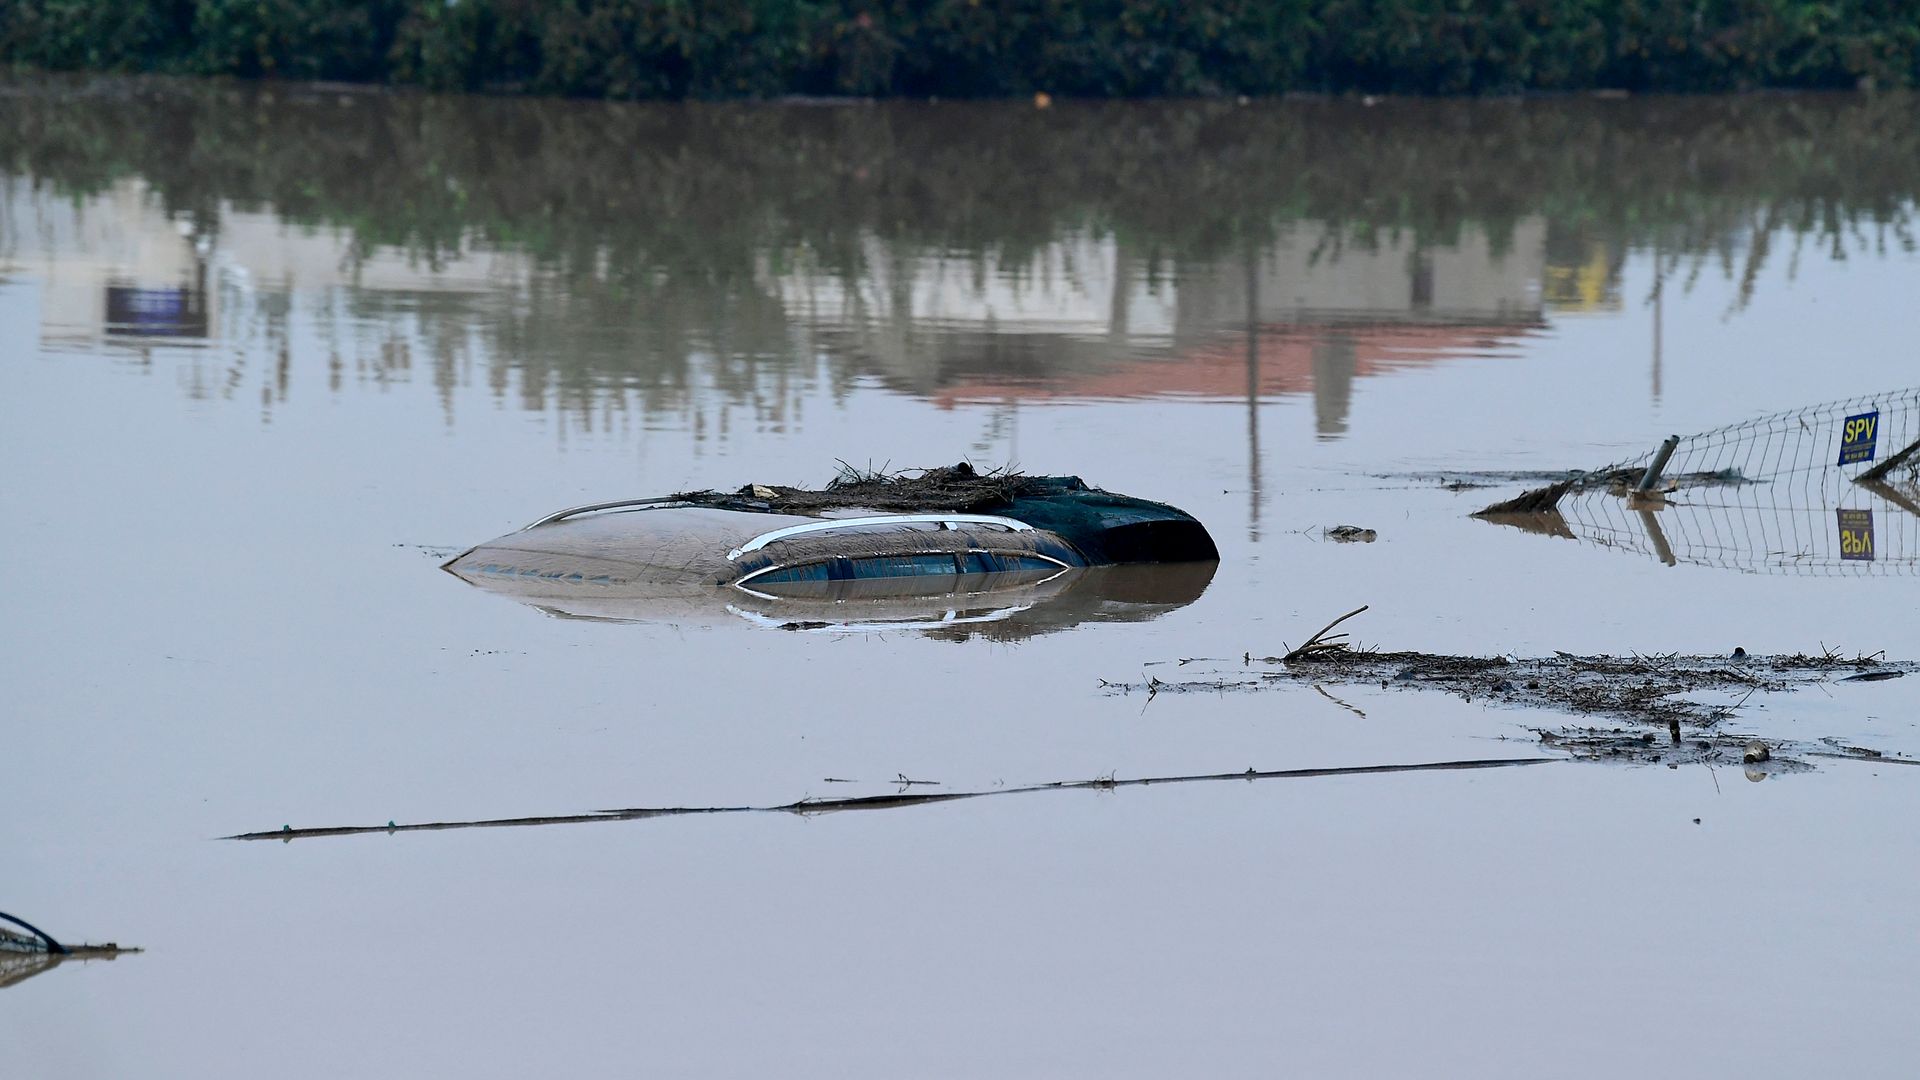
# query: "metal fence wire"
{"type": "Point", "coordinates": [1830, 489]}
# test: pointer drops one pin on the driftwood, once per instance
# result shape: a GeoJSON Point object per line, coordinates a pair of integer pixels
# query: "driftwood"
{"type": "Point", "coordinates": [1537, 501]}
{"type": "Point", "coordinates": [1320, 642]}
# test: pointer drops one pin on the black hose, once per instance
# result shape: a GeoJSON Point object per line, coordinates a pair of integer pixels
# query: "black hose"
{"type": "Point", "coordinates": [53, 946]}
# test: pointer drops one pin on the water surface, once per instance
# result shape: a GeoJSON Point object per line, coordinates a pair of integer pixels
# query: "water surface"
{"type": "Point", "coordinates": [275, 352]}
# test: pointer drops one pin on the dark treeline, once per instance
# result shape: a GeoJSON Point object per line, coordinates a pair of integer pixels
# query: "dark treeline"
{"type": "Point", "coordinates": [977, 48]}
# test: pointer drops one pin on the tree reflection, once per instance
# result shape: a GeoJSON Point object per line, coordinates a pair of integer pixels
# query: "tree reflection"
{"type": "Point", "coordinates": [594, 257]}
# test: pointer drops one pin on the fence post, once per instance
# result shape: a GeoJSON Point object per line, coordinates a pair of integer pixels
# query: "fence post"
{"type": "Point", "coordinates": [1660, 459]}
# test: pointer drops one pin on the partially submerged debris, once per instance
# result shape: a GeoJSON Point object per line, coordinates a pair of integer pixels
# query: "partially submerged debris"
{"type": "Point", "coordinates": [897, 800]}
{"type": "Point", "coordinates": [958, 488]}
{"type": "Point", "coordinates": [1643, 689]}
{"type": "Point", "coordinates": [30, 951]}
{"type": "Point", "coordinates": [1660, 694]}
{"type": "Point", "coordinates": [1536, 501]}
{"type": "Point", "coordinates": [1617, 481]}
{"type": "Point", "coordinates": [1320, 642]}
{"type": "Point", "coordinates": [870, 550]}
{"type": "Point", "coordinates": [1632, 746]}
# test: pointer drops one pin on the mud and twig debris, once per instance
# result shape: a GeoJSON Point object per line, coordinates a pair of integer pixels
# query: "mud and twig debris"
{"type": "Point", "coordinates": [1646, 689]}
{"type": "Point", "coordinates": [1320, 642]}
{"type": "Point", "coordinates": [1674, 705]}
{"type": "Point", "coordinates": [1621, 481]}
{"type": "Point", "coordinates": [954, 488]}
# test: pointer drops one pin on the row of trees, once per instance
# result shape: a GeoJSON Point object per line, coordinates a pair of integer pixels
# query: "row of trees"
{"type": "Point", "coordinates": [983, 48]}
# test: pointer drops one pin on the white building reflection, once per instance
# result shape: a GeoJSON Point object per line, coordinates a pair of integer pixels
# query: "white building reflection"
{"type": "Point", "coordinates": [109, 267]}
{"type": "Point", "coordinates": [1084, 316]}
{"type": "Point", "coordinates": [117, 268]}
{"type": "Point", "coordinates": [1081, 315]}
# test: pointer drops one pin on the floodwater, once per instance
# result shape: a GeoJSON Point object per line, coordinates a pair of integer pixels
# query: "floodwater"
{"type": "Point", "coordinates": [273, 354]}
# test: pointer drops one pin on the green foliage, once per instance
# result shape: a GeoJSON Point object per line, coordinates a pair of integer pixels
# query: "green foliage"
{"type": "Point", "coordinates": [602, 48]}
{"type": "Point", "coordinates": [974, 48]}
{"type": "Point", "coordinates": [95, 35]}
{"type": "Point", "coordinates": [303, 39]}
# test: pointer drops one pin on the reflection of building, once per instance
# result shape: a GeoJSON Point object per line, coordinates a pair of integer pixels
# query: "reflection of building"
{"type": "Point", "coordinates": [117, 268]}
{"type": "Point", "coordinates": [1077, 312]}
{"type": "Point", "coordinates": [111, 267]}
{"type": "Point", "coordinates": [1317, 273]}
{"type": "Point", "coordinates": [1323, 359]}
{"type": "Point", "coordinates": [1085, 317]}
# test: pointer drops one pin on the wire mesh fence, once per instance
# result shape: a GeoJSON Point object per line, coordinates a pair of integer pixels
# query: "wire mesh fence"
{"type": "Point", "coordinates": [1831, 489]}
{"type": "Point", "coordinates": [1817, 447]}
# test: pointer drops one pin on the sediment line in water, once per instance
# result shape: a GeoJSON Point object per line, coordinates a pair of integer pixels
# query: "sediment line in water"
{"type": "Point", "coordinates": [1649, 695]}
{"type": "Point", "coordinates": [885, 802]}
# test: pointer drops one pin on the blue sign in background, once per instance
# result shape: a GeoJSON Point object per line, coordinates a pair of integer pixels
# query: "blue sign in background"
{"type": "Point", "coordinates": [1858, 434]}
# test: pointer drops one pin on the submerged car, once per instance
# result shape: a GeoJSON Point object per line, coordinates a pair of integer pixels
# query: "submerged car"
{"type": "Point", "coordinates": [929, 550]}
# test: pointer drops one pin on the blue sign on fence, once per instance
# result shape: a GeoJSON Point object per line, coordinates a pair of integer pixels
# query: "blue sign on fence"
{"type": "Point", "coordinates": [1856, 535]}
{"type": "Point", "coordinates": [1857, 437]}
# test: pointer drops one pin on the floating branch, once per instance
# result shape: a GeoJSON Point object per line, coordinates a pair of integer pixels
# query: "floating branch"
{"type": "Point", "coordinates": [884, 802]}
{"type": "Point", "coordinates": [1320, 642]}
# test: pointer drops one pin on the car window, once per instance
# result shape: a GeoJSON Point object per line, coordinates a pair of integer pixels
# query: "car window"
{"type": "Point", "coordinates": [816, 571]}
{"type": "Point", "coordinates": [886, 566]}
{"type": "Point", "coordinates": [937, 564]}
{"type": "Point", "coordinates": [993, 562]}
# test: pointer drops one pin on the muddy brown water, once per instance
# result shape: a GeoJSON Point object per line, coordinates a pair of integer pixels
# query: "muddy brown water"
{"type": "Point", "coordinates": [273, 354]}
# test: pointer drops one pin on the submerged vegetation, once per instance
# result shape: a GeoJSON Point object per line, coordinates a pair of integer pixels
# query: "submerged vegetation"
{"type": "Point", "coordinates": [972, 48]}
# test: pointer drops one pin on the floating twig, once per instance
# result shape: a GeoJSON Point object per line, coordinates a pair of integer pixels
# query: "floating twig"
{"type": "Point", "coordinates": [1320, 642]}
